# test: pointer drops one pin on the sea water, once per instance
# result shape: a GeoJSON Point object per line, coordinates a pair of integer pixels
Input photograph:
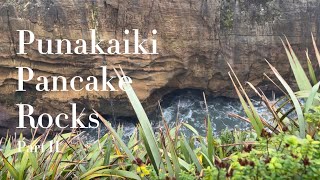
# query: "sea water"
{"type": "Point", "coordinates": [188, 106]}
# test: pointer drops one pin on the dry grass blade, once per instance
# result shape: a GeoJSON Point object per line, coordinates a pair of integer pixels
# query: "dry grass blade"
{"type": "Point", "coordinates": [171, 144]}
{"type": "Point", "coordinates": [272, 109]}
{"type": "Point", "coordinates": [247, 105]}
{"type": "Point", "coordinates": [239, 117]}
{"type": "Point", "coordinates": [316, 49]}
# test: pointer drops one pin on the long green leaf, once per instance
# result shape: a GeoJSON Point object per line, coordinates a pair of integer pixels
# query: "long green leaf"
{"type": "Point", "coordinates": [143, 119]}
{"type": "Point", "coordinates": [92, 171]}
{"type": "Point", "coordinates": [312, 73]}
{"type": "Point", "coordinates": [311, 97]}
{"type": "Point", "coordinates": [192, 154]}
{"type": "Point", "coordinates": [112, 173]}
{"type": "Point", "coordinates": [148, 149]}
{"type": "Point", "coordinates": [301, 120]}
{"type": "Point", "coordinates": [23, 165]}
{"type": "Point", "coordinates": [190, 128]}
{"type": "Point", "coordinates": [210, 141]}
{"type": "Point", "coordinates": [167, 158]}
{"type": "Point", "coordinates": [13, 172]}
{"type": "Point", "coordinates": [299, 74]}
{"type": "Point", "coordinates": [209, 132]}
{"type": "Point", "coordinates": [116, 136]}
{"type": "Point", "coordinates": [183, 163]}
{"type": "Point", "coordinates": [108, 151]}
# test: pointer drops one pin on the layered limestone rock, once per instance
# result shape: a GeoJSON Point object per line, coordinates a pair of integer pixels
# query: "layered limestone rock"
{"type": "Point", "coordinates": [195, 40]}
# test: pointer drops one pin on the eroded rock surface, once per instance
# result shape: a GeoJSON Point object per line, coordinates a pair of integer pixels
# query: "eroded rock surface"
{"type": "Point", "coordinates": [195, 40]}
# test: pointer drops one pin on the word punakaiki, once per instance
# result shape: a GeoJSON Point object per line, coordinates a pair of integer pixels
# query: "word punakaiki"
{"type": "Point", "coordinates": [140, 46]}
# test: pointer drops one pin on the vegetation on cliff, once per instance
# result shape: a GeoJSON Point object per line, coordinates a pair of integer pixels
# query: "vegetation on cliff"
{"type": "Point", "coordinates": [286, 146]}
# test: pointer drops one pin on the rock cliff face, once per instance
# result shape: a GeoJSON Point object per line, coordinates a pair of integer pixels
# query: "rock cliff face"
{"type": "Point", "coordinates": [195, 40]}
